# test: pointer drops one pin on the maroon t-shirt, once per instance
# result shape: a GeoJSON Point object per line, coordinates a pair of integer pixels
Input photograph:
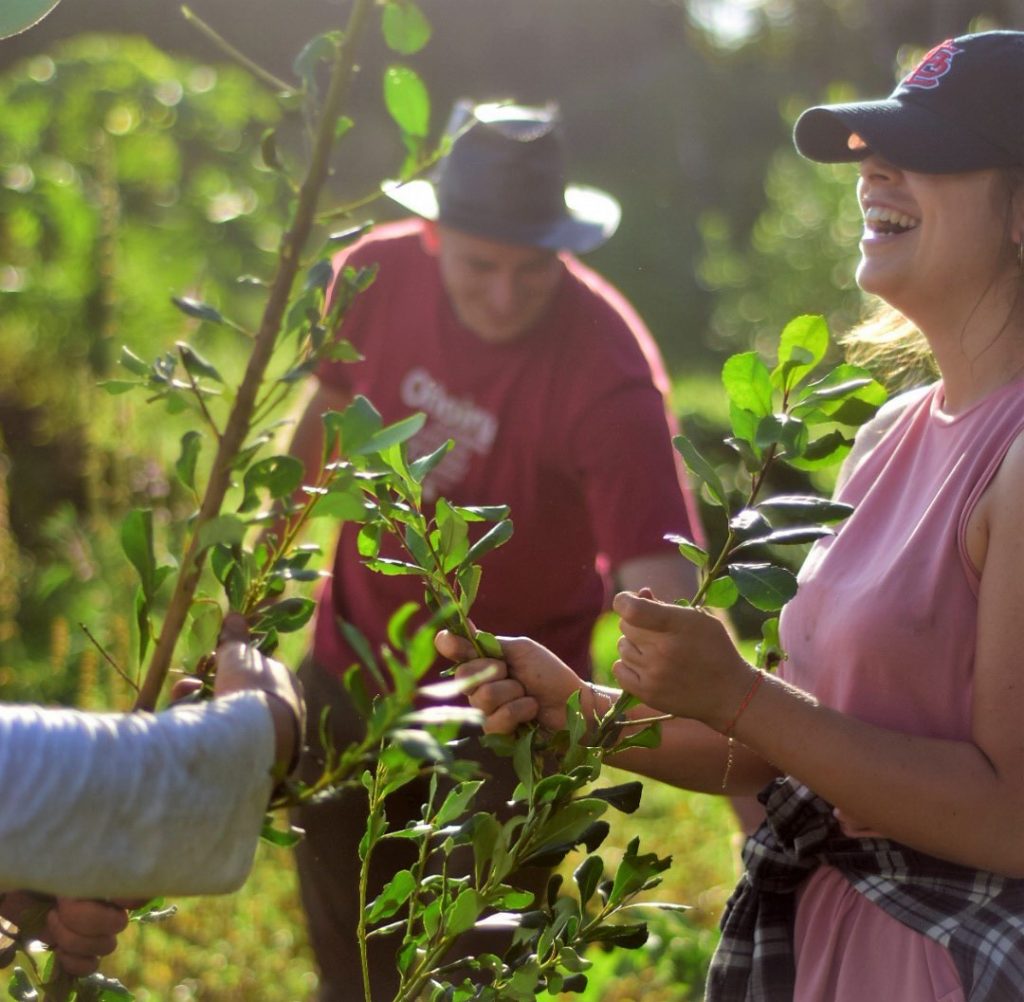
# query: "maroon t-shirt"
{"type": "Point", "coordinates": [567, 425]}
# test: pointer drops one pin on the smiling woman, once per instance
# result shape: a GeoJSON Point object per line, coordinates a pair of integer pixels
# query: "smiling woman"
{"type": "Point", "coordinates": [891, 864]}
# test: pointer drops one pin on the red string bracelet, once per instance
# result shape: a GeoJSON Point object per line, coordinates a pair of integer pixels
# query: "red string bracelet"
{"type": "Point", "coordinates": [744, 703]}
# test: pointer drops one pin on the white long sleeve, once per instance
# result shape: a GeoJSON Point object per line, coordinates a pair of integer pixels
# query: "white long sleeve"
{"type": "Point", "coordinates": [133, 805]}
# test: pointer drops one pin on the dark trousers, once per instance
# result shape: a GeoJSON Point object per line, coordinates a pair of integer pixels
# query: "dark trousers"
{"type": "Point", "coordinates": [328, 857]}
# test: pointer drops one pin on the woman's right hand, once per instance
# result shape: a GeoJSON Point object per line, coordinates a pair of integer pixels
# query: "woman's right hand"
{"type": "Point", "coordinates": [530, 684]}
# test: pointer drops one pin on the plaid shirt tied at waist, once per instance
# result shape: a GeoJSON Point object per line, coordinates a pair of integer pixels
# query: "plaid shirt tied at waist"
{"type": "Point", "coordinates": [978, 916]}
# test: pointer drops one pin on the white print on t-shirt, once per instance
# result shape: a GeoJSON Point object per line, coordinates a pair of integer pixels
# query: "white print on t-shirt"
{"type": "Point", "coordinates": [472, 428]}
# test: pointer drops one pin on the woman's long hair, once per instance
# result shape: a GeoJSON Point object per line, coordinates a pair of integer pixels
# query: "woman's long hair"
{"type": "Point", "coordinates": [895, 351]}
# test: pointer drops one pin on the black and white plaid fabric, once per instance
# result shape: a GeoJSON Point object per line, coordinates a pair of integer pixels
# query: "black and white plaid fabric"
{"type": "Point", "coordinates": [978, 916]}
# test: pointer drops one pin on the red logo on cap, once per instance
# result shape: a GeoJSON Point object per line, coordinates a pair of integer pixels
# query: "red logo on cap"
{"type": "Point", "coordinates": [935, 65]}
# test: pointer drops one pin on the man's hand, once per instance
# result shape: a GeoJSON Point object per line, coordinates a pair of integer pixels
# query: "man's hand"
{"type": "Point", "coordinates": [530, 684]}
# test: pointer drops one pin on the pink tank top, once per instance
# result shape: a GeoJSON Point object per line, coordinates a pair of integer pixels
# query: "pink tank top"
{"type": "Point", "coordinates": [883, 628]}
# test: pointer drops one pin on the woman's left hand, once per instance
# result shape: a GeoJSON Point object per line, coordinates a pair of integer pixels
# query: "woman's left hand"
{"type": "Point", "coordinates": [679, 660]}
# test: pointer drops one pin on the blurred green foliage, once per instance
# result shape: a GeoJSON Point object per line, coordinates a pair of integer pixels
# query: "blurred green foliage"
{"type": "Point", "coordinates": [799, 256]}
{"type": "Point", "coordinates": [127, 176]}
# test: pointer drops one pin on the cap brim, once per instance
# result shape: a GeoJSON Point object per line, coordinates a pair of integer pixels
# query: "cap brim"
{"type": "Point", "coordinates": [592, 217]}
{"type": "Point", "coordinates": [17, 16]}
{"type": "Point", "coordinates": [906, 134]}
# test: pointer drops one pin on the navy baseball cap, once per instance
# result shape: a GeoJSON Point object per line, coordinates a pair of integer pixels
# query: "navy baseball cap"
{"type": "Point", "coordinates": [960, 109]}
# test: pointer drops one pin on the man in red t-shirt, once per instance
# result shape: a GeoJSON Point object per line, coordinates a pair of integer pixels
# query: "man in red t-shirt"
{"type": "Point", "coordinates": [554, 393]}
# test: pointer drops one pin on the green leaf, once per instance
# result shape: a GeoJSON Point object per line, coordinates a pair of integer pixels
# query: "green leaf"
{"type": "Point", "coordinates": [454, 535]}
{"type": "Point", "coordinates": [636, 872]}
{"type": "Point", "coordinates": [368, 540]}
{"type": "Point", "coordinates": [350, 429]}
{"type": "Point", "coordinates": [355, 686]}
{"type": "Point", "coordinates": [320, 275]}
{"type": "Point", "coordinates": [624, 935]}
{"type": "Point", "coordinates": [828, 450]}
{"type": "Point", "coordinates": [466, 910]}
{"type": "Point", "coordinates": [142, 623]}
{"type": "Point", "coordinates": [550, 788]}
{"type": "Point", "coordinates": [341, 350]}
{"type": "Point", "coordinates": [407, 100]}
{"type": "Point", "coordinates": [137, 543]}
{"type": "Point", "coordinates": [438, 716]}
{"type": "Point", "coordinates": [802, 345]}
{"type": "Point", "coordinates": [490, 540]}
{"type": "Point", "coordinates": [185, 467]}
{"type": "Point", "coordinates": [419, 745]}
{"type": "Point", "coordinates": [483, 513]}
{"type": "Point", "coordinates": [405, 28]}
{"type": "Point", "coordinates": [647, 737]}
{"type": "Point", "coordinates": [694, 553]}
{"type": "Point", "coordinates": [748, 452]}
{"type": "Point", "coordinates": [788, 433]}
{"type": "Point", "coordinates": [803, 509]}
{"type": "Point", "coordinates": [847, 395]}
{"type": "Point", "coordinates": [222, 529]}
{"type": "Point", "coordinates": [587, 876]}
{"type": "Point", "coordinates": [748, 383]}
{"type": "Point", "coordinates": [458, 801]}
{"type": "Point", "coordinates": [281, 476]}
{"type": "Point", "coordinates": [393, 434]}
{"type": "Point", "coordinates": [322, 48]}
{"type": "Point", "coordinates": [722, 593]}
{"type": "Point", "coordinates": [398, 623]}
{"type": "Point", "coordinates": [768, 652]}
{"type": "Point", "coordinates": [18, 15]}
{"type": "Point", "coordinates": [286, 838]}
{"type": "Point", "coordinates": [195, 365]}
{"type": "Point", "coordinates": [749, 522]}
{"type": "Point", "coordinates": [625, 797]}
{"type": "Point", "coordinates": [198, 310]}
{"type": "Point", "coordinates": [787, 537]}
{"type": "Point", "coordinates": [764, 586]}
{"type": "Point", "coordinates": [376, 826]}
{"type": "Point", "coordinates": [268, 150]}
{"type": "Point", "coordinates": [394, 568]}
{"type": "Point", "coordinates": [419, 468]}
{"type": "Point", "coordinates": [343, 126]}
{"type": "Point", "coordinates": [489, 644]}
{"type": "Point", "coordinates": [133, 363]}
{"type": "Point", "coordinates": [342, 238]}
{"type": "Point", "coordinates": [115, 387]}
{"type": "Point", "coordinates": [469, 578]}
{"type": "Point", "coordinates": [343, 501]}
{"type": "Point", "coordinates": [569, 824]}
{"type": "Point", "coordinates": [742, 422]}
{"type": "Point", "coordinates": [286, 616]}
{"type": "Point", "coordinates": [396, 892]}
{"type": "Point", "coordinates": [486, 837]}
{"type": "Point", "coordinates": [701, 469]}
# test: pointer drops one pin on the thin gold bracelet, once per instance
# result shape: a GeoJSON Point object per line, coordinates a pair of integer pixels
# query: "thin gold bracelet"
{"type": "Point", "coordinates": [727, 733]}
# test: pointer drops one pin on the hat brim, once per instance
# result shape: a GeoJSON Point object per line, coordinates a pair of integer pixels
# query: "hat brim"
{"type": "Point", "coordinates": [17, 16]}
{"type": "Point", "coordinates": [906, 134]}
{"type": "Point", "coordinates": [591, 217]}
